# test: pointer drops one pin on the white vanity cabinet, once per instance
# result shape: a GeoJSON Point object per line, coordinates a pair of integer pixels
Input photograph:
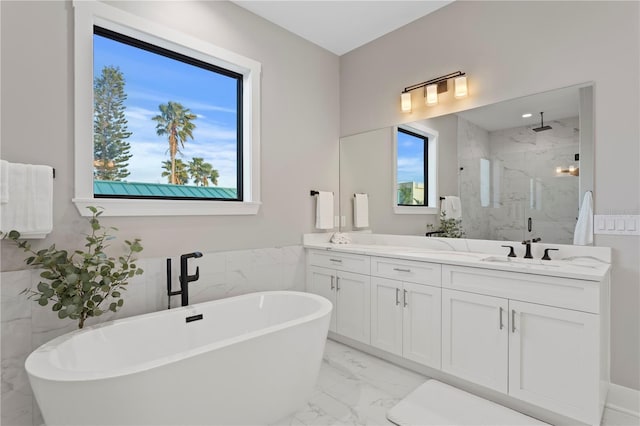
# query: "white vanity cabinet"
{"type": "Point", "coordinates": [350, 292]}
{"type": "Point", "coordinates": [546, 355]}
{"type": "Point", "coordinates": [405, 316]}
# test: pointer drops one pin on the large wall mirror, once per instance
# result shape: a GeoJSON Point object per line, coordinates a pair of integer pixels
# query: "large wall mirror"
{"type": "Point", "coordinates": [516, 177]}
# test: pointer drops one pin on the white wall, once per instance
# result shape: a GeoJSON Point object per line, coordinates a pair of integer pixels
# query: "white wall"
{"type": "Point", "coordinates": [300, 122]}
{"type": "Point", "coordinates": [510, 49]}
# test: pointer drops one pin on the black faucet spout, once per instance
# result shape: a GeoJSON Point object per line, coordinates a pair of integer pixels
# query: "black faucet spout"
{"type": "Point", "coordinates": [527, 243]}
{"type": "Point", "coordinates": [185, 278]}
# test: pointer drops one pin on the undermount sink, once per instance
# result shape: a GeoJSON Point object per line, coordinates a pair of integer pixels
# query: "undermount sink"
{"type": "Point", "coordinates": [515, 261]}
{"type": "Point", "coordinates": [519, 261]}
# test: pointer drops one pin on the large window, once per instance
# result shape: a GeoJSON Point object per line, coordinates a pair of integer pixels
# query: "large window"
{"type": "Point", "coordinates": [165, 123]}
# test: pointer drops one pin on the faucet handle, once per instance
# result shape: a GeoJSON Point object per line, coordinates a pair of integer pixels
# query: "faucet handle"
{"type": "Point", "coordinates": [195, 276]}
{"type": "Point", "coordinates": [546, 253]}
{"type": "Point", "coordinates": [512, 253]}
{"type": "Point", "coordinates": [535, 240]}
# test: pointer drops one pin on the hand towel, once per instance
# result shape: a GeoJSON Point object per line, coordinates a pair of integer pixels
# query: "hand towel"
{"type": "Point", "coordinates": [583, 234]}
{"type": "Point", "coordinates": [4, 181]}
{"type": "Point", "coordinates": [30, 206]}
{"type": "Point", "coordinates": [451, 207]}
{"type": "Point", "coordinates": [361, 211]}
{"type": "Point", "coordinates": [324, 210]}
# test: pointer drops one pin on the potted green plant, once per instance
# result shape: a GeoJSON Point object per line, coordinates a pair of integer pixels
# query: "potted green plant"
{"type": "Point", "coordinates": [449, 227]}
{"type": "Point", "coordinates": [81, 283]}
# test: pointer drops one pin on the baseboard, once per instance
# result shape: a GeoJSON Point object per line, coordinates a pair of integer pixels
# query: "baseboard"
{"type": "Point", "coordinates": [624, 400]}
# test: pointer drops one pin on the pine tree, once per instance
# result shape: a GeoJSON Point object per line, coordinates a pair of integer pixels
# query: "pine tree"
{"type": "Point", "coordinates": [110, 150]}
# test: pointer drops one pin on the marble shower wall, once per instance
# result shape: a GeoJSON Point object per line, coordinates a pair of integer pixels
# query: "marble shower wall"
{"type": "Point", "coordinates": [25, 325]}
{"type": "Point", "coordinates": [523, 182]}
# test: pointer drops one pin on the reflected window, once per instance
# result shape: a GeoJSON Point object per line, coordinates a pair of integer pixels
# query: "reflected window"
{"type": "Point", "coordinates": [412, 172]}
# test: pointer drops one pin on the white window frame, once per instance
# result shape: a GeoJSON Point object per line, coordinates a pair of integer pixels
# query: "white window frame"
{"type": "Point", "coordinates": [432, 170]}
{"type": "Point", "coordinates": [90, 13]}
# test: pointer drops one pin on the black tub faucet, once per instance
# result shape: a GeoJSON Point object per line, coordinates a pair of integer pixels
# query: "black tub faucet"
{"type": "Point", "coordinates": [185, 278]}
{"type": "Point", "coordinates": [527, 243]}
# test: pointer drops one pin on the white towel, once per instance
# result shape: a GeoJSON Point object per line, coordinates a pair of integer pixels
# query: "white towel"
{"type": "Point", "coordinates": [361, 211]}
{"type": "Point", "coordinates": [30, 207]}
{"type": "Point", "coordinates": [583, 234]}
{"type": "Point", "coordinates": [4, 182]}
{"type": "Point", "coordinates": [324, 210]}
{"type": "Point", "coordinates": [451, 207]}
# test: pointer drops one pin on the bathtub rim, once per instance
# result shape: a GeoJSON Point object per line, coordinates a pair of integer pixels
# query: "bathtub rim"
{"type": "Point", "coordinates": [39, 366]}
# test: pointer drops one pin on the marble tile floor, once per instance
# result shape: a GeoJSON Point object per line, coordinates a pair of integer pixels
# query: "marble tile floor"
{"type": "Point", "coordinates": [355, 388]}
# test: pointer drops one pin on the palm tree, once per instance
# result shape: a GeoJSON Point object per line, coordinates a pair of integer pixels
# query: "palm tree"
{"type": "Point", "coordinates": [174, 121]}
{"type": "Point", "coordinates": [176, 172]}
{"type": "Point", "coordinates": [201, 172]}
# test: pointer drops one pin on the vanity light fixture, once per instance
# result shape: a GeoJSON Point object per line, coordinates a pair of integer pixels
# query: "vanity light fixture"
{"type": "Point", "coordinates": [571, 171]}
{"type": "Point", "coordinates": [433, 87]}
{"type": "Point", "coordinates": [527, 115]}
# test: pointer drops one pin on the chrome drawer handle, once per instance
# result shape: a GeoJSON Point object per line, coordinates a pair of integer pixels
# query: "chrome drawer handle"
{"type": "Point", "coordinates": [513, 320]}
{"type": "Point", "coordinates": [397, 299]}
{"type": "Point", "coordinates": [336, 260]}
{"type": "Point", "coordinates": [337, 283]}
{"type": "Point", "coordinates": [402, 270]}
{"type": "Point", "coordinates": [404, 298]}
{"type": "Point", "coordinates": [500, 319]}
{"type": "Point", "coordinates": [332, 286]}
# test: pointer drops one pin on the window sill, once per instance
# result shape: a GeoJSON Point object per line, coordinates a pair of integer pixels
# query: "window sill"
{"type": "Point", "coordinates": [415, 210]}
{"type": "Point", "coordinates": [140, 207]}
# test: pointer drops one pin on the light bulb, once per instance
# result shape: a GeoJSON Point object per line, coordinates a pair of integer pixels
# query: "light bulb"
{"type": "Point", "coordinates": [431, 95]}
{"type": "Point", "coordinates": [461, 87]}
{"type": "Point", "coordinates": [405, 102]}
{"type": "Point", "coordinates": [558, 170]}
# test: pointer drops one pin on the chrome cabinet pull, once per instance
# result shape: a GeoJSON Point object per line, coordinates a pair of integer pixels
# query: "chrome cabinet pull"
{"type": "Point", "coordinates": [397, 295]}
{"type": "Point", "coordinates": [337, 283]}
{"type": "Point", "coordinates": [513, 320]}
{"type": "Point", "coordinates": [332, 286]}
{"type": "Point", "coordinates": [404, 298]}
{"type": "Point", "coordinates": [335, 260]}
{"type": "Point", "coordinates": [501, 324]}
{"type": "Point", "coordinates": [402, 270]}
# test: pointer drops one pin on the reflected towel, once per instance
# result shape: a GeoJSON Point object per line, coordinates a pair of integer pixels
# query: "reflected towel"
{"type": "Point", "coordinates": [451, 207]}
{"type": "Point", "coordinates": [30, 206]}
{"type": "Point", "coordinates": [324, 210]}
{"type": "Point", "coordinates": [361, 211]}
{"type": "Point", "coordinates": [583, 234]}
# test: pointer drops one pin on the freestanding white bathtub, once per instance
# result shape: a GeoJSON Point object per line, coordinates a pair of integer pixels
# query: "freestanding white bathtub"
{"type": "Point", "coordinates": [250, 360]}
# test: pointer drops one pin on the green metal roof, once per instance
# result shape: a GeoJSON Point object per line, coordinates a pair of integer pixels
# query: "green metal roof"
{"type": "Point", "coordinates": [137, 189]}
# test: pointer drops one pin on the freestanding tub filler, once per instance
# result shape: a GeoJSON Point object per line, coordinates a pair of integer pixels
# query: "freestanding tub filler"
{"type": "Point", "coordinates": [250, 359]}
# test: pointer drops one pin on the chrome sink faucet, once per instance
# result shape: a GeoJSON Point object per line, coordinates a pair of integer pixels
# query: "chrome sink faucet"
{"type": "Point", "coordinates": [528, 243]}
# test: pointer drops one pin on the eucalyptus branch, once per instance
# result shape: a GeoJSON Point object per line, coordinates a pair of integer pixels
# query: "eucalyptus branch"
{"type": "Point", "coordinates": [80, 282]}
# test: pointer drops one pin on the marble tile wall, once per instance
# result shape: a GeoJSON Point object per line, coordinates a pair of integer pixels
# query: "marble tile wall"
{"type": "Point", "coordinates": [25, 325]}
{"type": "Point", "coordinates": [524, 182]}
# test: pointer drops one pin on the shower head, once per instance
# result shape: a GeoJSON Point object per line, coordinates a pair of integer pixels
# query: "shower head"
{"type": "Point", "coordinates": [542, 127]}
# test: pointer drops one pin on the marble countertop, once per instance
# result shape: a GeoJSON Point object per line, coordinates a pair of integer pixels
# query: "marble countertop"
{"type": "Point", "coordinates": [577, 267]}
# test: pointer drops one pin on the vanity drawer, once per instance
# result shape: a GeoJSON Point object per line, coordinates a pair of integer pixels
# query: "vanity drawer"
{"type": "Point", "coordinates": [567, 293]}
{"type": "Point", "coordinates": [357, 263]}
{"type": "Point", "coordinates": [406, 270]}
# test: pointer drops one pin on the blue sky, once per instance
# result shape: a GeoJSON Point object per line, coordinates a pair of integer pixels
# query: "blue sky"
{"type": "Point", "coordinates": [151, 80]}
{"type": "Point", "coordinates": [410, 158]}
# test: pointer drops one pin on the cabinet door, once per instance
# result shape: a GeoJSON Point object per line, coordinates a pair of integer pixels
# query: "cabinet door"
{"type": "Point", "coordinates": [354, 306]}
{"type": "Point", "coordinates": [421, 324]}
{"type": "Point", "coordinates": [321, 281]}
{"type": "Point", "coordinates": [386, 315]}
{"type": "Point", "coordinates": [475, 338]}
{"type": "Point", "coordinates": [553, 359]}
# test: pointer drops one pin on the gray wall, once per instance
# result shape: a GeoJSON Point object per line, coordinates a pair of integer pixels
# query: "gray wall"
{"type": "Point", "coordinates": [511, 49]}
{"type": "Point", "coordinates": [300, 122]}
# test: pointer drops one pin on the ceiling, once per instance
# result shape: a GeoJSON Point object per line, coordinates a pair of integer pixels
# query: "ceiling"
{"type": "Point", "coordinates": [556, 104]}
{"type": "Point", "coordinates": [341, 26]}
